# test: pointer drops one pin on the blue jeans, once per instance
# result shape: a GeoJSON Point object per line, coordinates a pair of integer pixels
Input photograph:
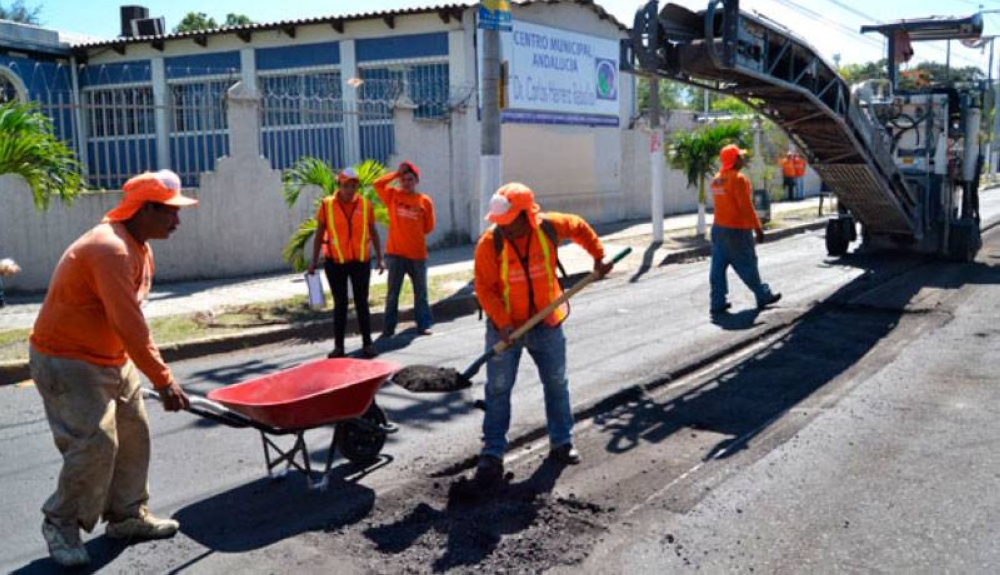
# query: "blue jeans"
{"type": "Point", "coordinates": [547, 346]}
{"type": "Point", "coordinates": [800, 188]}
{"type": "Point", "coordinates": [733, 247]}
{"type": "Point", "coordinates": [417, 270]}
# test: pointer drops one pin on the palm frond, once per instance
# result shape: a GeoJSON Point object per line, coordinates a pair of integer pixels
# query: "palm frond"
{"type": "Point", "coordinates": [30, 149]}
{"type": "Point", "coordinates": [295, 249]}
{"type": "Point", "coordinates": [308, 171]}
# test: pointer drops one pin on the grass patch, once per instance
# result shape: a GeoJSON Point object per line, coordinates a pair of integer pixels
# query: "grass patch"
{"type": "Point", "coordinates": [230, 320]}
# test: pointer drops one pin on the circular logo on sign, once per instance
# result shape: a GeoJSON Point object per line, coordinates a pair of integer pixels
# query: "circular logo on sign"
{"type": "Point", "coordinates": [607, 80]}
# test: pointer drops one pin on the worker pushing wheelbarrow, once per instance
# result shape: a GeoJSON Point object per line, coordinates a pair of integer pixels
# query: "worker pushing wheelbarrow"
{"type": "Point", "coordinates": [291, 402]}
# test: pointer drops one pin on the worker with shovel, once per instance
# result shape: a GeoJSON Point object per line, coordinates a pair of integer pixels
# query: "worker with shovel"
{"type": "Point", "coordinates": [515, 277]}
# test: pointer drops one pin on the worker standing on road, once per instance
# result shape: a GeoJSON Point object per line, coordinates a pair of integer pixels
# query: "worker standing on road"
{"type": "Point", "coordinates": [515, 277]}
{"type": "Point", "coordinates": [345, 226]}
{"type": "Point", "coordinates": [733, 230]}
{"type": "Point", "coordinates": [793, 171]}
{"type": "Point", "coordinates": [88, 341]}
{"type": "Point", "coordinates": [411, 218]}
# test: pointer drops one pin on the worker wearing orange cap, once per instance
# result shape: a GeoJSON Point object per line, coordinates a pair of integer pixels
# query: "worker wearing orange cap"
{"type": "Point", "coordinates": [514, 279]}
{"type": "Point", "coordinates": [734, 227]}
{"type": "Point", "coordinates": [345, 226]}
{"type": "Point", "coordinates": [411, 218]}
{"type": "Point", "coordinates": [86, 346]}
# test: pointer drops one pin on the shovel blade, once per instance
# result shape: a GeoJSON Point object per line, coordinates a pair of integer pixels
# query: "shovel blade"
{"type": "Point", "coordinates": [430, 379]}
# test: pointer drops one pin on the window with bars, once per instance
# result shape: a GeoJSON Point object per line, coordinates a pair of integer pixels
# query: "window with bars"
{"type": "Point", "coordinates": [425, 84]}
{"type": "Point", "coordinates": [199, 106]}
{"type": "Point", "coordinates": [120, 111]}
{"type": "Point", "coordinates": [304, 98]}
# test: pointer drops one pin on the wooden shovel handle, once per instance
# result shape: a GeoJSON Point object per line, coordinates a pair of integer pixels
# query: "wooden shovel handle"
{"type": "Point", "coordinates": [533, 320]}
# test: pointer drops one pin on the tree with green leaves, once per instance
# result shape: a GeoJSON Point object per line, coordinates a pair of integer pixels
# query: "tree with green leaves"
{"type": "Point", "coordinates": [673, 95]}
{"type": "Point", "coordinates": [310, 171]}
{"type": "Point", "coordinates": [233, 20]}
{"type": "Point", "coordinates": [696, 153]}
{"type": "Point", "coordinates": [30, 149]}
{"type": "Point", "coordinates": [195, 21]}
{"type": "Point", "coordinates": [16, 11]}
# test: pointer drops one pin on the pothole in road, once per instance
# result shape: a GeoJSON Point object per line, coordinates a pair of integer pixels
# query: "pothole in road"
{"type": "Point", "coordinates": [522, 527]}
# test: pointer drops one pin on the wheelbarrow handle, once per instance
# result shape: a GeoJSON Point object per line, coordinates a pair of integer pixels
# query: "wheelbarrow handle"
{"type": "Point", "coordinates": [208, 409]}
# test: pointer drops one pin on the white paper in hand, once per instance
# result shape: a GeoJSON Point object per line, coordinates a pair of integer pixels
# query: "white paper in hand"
{"type": "Point", "coordinates": [317, 299]}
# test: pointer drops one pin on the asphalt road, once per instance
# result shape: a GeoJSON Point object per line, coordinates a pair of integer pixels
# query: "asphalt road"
{"type": "Point", "coordinates": [678, 454]}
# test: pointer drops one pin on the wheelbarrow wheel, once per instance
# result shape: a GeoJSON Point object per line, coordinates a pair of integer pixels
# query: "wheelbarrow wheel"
{"type": "Point", "coordinates": [361, 440]}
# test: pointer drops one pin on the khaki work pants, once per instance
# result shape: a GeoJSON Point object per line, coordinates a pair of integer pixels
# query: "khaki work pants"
{"type": "Point", "coordinates": [99, 424]}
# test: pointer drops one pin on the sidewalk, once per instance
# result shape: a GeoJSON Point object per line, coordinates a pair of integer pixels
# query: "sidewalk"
{"type": "Point", "coordinates": [208, 295]}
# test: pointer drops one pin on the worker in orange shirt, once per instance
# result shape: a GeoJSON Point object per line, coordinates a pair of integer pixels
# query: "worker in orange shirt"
{"type": "Point", "coordinates": [87, 343]}
{"type": "Point", "coordinates": [345, 226]}
{"type": "Point", "coordinates": [514, 279]}
{"type": "Point", "coordinates": [411, 218]}
{"type": "Point", "coordinates": [734, 227]}
{"type": "Point", "coordinates": [793, 171]}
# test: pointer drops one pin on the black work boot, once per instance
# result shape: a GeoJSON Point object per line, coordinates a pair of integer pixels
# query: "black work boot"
{"type": "Point", "coordinates": [489, 470]}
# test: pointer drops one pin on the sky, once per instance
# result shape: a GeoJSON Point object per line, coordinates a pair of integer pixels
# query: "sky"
{"type": "Point", "coordinates": [831, 26]}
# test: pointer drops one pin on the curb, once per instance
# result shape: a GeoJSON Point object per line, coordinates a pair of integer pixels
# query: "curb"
{"type": "Point", "coordinates": [460, 304]}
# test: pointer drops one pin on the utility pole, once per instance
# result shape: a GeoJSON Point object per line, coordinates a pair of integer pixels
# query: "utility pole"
{"type": "Point", "coordinates": [655, 161]}
{"type": "Point", "coordinates": [490, 161]}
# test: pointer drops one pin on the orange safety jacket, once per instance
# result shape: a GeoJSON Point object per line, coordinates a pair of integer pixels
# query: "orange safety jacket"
{"type": "Point", "coordinates": [799, 166]}
{"type": "Point", "coordinates": [346, 239]}
{"type": "Point", "coordinates": [510, 289]}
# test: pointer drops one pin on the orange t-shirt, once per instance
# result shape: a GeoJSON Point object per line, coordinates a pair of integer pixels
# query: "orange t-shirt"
{"type": "Point", "coordinates": [733, 202]}
{"type": "Point", "coordinates": [411, 218]}
{"type": "Point", "coordinates": [353, 235]}
{"type": "Point", "coordinates": [91, 311]}
{"type": "Point", "coordinates": [787, 168]}
{"type": "Point", "coordinates": [489, 284]}
{"type": "Point", "coordinates": [799, 166]}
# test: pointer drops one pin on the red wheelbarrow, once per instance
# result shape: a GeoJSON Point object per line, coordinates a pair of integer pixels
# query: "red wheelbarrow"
{"type": "Point", "coordinates": [332, 391]}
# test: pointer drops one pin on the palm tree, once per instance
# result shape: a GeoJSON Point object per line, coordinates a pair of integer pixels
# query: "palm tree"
{"type": "Point", "coordinates": [696, 153]}
{"type": "Point", "coordinates": [310, 171]}
{"type": "Point", "coordinates": [29, 148]}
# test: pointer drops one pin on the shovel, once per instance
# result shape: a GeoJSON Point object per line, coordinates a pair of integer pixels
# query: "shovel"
{"type": "Point", "coordinates": [426, 378]}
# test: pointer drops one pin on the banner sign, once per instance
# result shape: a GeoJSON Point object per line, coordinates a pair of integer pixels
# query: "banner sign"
{"type": "Point", "coordinates": [554, 71]}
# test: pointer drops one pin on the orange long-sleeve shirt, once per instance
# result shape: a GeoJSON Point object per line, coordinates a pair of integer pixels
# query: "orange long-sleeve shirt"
{"type": "Point", "coordinates": [489, 284]}
{"type": "Point", "coordinates": [91, 311]}
{"type": "Point", "coordinates": [733, 202]}
{"type": "Point", "coordinates": [411, 218]}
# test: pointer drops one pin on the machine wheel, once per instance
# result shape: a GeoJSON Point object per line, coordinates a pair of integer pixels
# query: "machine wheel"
{"type": "Point", "coordinates": [362, 443]}
{"type": "Point", "coordinates": [836, 239]}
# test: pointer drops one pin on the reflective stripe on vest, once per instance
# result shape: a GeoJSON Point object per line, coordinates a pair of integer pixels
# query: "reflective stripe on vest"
{"type": "Point", "coordinates": [550, 276]}
{"type": "Point", "coordinates": [332, 229]}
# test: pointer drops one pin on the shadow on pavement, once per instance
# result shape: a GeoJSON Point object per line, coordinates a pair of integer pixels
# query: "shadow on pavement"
{"type": "Point", "coordinates": [739, 321]}
{"type": "Point", "coordinates": [825, 343]}
{"type": "Point", "coordinates": [266, 511]}
{"type": "Point", "coordinates": [102, 551]}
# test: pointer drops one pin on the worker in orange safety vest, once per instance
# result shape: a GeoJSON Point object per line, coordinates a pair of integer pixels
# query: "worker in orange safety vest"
{"type": "Point", "coordinates": [345, 226]}
{"type": "Point", "coordinates": [514, 279]}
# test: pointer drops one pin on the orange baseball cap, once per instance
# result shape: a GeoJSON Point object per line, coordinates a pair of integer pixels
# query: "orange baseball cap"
{"type": "Point", "coordinates": [412, 167]}
{"type": "Point", "coordinates": [729, 154]}
{"type": "Point", "coordinates": [509, 201]}
{"type": "Point", "coordinates": [162, 187]}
